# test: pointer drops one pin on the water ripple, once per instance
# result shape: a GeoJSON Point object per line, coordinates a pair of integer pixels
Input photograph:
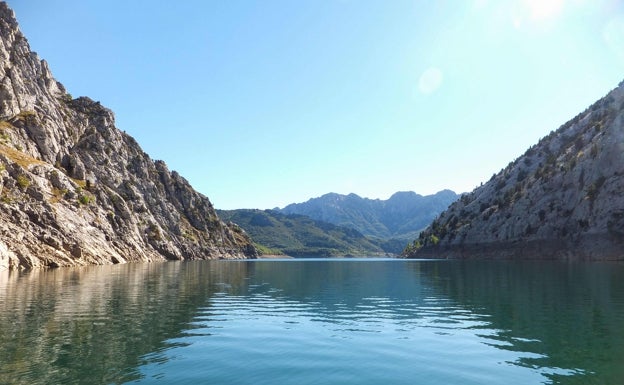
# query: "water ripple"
{"type": "Point", "coordinates": [313, 322]}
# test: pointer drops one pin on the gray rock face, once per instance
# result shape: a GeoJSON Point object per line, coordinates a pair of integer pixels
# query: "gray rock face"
{"type": "Point", "coordinates": [562, 199]}
{"type": "Point", "coordinates": [75, 190]}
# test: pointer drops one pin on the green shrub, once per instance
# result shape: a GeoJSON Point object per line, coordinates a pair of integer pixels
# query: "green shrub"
{"type": "Point", "coordinates": [85, 199]}
{"type": "Point", "coordinates": [23, 182]}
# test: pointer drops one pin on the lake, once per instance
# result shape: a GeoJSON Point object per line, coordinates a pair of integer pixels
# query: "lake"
{"type": "Point", "coordinates": [315, 322]}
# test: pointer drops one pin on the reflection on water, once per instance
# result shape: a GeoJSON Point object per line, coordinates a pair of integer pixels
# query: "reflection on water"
{"type": "Point", "coordinates": [92, 324]}
{"type": "Point", "coordinates": [338, 321]}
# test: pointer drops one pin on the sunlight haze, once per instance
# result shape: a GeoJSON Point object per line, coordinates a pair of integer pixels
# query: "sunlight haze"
{"type": "Point", "coordinates": [264, 103]}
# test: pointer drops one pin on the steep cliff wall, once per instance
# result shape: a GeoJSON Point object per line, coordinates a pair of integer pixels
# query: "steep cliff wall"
{"type": "Point", "coordinates": [75, 190]}
{"type": "Point", "coordinates": [562, 199]}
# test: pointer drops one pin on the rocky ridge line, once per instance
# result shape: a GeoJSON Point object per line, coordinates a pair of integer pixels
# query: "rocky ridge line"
{"type": "Point", "coordinates": [401, 216]}
{"type": "Point", "coordinates": [75, 190]}
{"type": "Point", "coordinates": [562, 199]}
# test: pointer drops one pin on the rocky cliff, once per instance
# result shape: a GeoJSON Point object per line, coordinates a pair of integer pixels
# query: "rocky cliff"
{"type": "Point", "coordinates": [562, 199]}
{"type": "Point", "coordinates": [75, 190]}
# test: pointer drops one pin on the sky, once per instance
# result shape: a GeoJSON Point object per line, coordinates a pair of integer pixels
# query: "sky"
{"type": "Point", "coordinates": [259, 104]}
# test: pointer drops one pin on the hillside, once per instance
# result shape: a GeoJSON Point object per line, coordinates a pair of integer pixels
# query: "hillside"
{"type": "Point", "coordinates": [402, 216]}
{"type": "Point", "coordinates": [299, 235]}
{"type": "Point", "coordinates": [562, 199]}
{"type": "Point", "coordinates": [75, 190]}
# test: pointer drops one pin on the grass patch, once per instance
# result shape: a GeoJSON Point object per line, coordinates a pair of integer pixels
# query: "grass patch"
{"type": "Point", "coordinates": [81, 183]}
{"type": "Point", "coordinates": [22, 159]}
{"type": "Point", "coordinates": [85, 199]}
{"type": "Point", "coordinates": [57, 195]}
{"type": "Point", "coordinates": [23, 182]}
{"type": "Point", "coordinates": [6, 125]}
{"type": "Point", "coordinates": [26, 114]}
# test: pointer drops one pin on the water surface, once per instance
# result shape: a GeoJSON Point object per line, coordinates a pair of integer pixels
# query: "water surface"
{"type": "Point", "coordinates": [315, 322]}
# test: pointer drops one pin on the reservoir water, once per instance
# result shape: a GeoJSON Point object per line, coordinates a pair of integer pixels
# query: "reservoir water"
{"type": "Point", "coordinates": [315, 322]}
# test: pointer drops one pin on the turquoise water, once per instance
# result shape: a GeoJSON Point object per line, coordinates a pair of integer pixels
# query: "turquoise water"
{"type": "Point", "coordinates": [315, 322]}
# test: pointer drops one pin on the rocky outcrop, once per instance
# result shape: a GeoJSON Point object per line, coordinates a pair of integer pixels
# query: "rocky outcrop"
{"type": "Point", "coordinates": [562, 199]}
{"type": "Point", "coordinates": [75, 190]}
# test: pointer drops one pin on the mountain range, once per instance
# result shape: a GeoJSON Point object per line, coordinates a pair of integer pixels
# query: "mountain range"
{"type": "Point", "coordinates": [342, 225]}
{"type": "Point", "coordinates": [402, 216]}
{"type": "Point", "coordinates": [562, 199]}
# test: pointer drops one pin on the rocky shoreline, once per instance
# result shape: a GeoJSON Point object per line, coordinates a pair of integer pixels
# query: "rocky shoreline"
{"type": "Point", "coordinates": [590, 248]}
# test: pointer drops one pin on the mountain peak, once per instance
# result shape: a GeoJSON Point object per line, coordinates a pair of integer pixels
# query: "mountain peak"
{"type": "Point", "coordinates": [404, 195]}
{"type": "Point", "coordinates": [7, 17]}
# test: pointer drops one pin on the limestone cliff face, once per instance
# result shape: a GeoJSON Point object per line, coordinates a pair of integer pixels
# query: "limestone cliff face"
{"type": "Point", "coordinates": [75, 190]}
{"type": "Point", "coordinates": [562, 199]}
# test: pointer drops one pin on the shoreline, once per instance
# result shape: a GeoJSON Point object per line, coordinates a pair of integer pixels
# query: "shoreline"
{"type": "Point", "coordinates": [275, 256]}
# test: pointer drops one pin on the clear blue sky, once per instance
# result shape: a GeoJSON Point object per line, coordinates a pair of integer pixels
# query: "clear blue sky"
{"type": "Point", "coordinates": [264, 103]}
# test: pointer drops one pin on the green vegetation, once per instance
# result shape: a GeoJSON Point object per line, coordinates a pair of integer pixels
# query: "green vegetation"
{"type": "Point", "coordinates": [85, 199]}
{"type": "Point", "coordinates": [401, 217]}
{"type": "Point", "coordinates": [57, 195]}
{"type": "Point", "coordinates": [263, 250]}
{"type": "Point", "coordinates": [23, 182]}
{"type": "Point", "coordinates": [412, 248]}
{"type": "Point", "coordinates": [298, 235]}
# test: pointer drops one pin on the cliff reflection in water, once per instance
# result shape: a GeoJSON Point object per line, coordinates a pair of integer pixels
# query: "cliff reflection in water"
{"type": "Point", "coordinates": [570, 314]}
{"type": "Point", "coordinates": [94, 324]}
{"type": "Point", "coordinates": [549, 322]}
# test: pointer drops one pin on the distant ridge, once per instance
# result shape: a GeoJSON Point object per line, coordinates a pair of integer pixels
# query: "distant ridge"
{"type": "Point", "coordinates": [402, 216]}
{"type": "Point", "coordinates": [301, 236]}
{"type": "Point", "coordinates": [562, 199]}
